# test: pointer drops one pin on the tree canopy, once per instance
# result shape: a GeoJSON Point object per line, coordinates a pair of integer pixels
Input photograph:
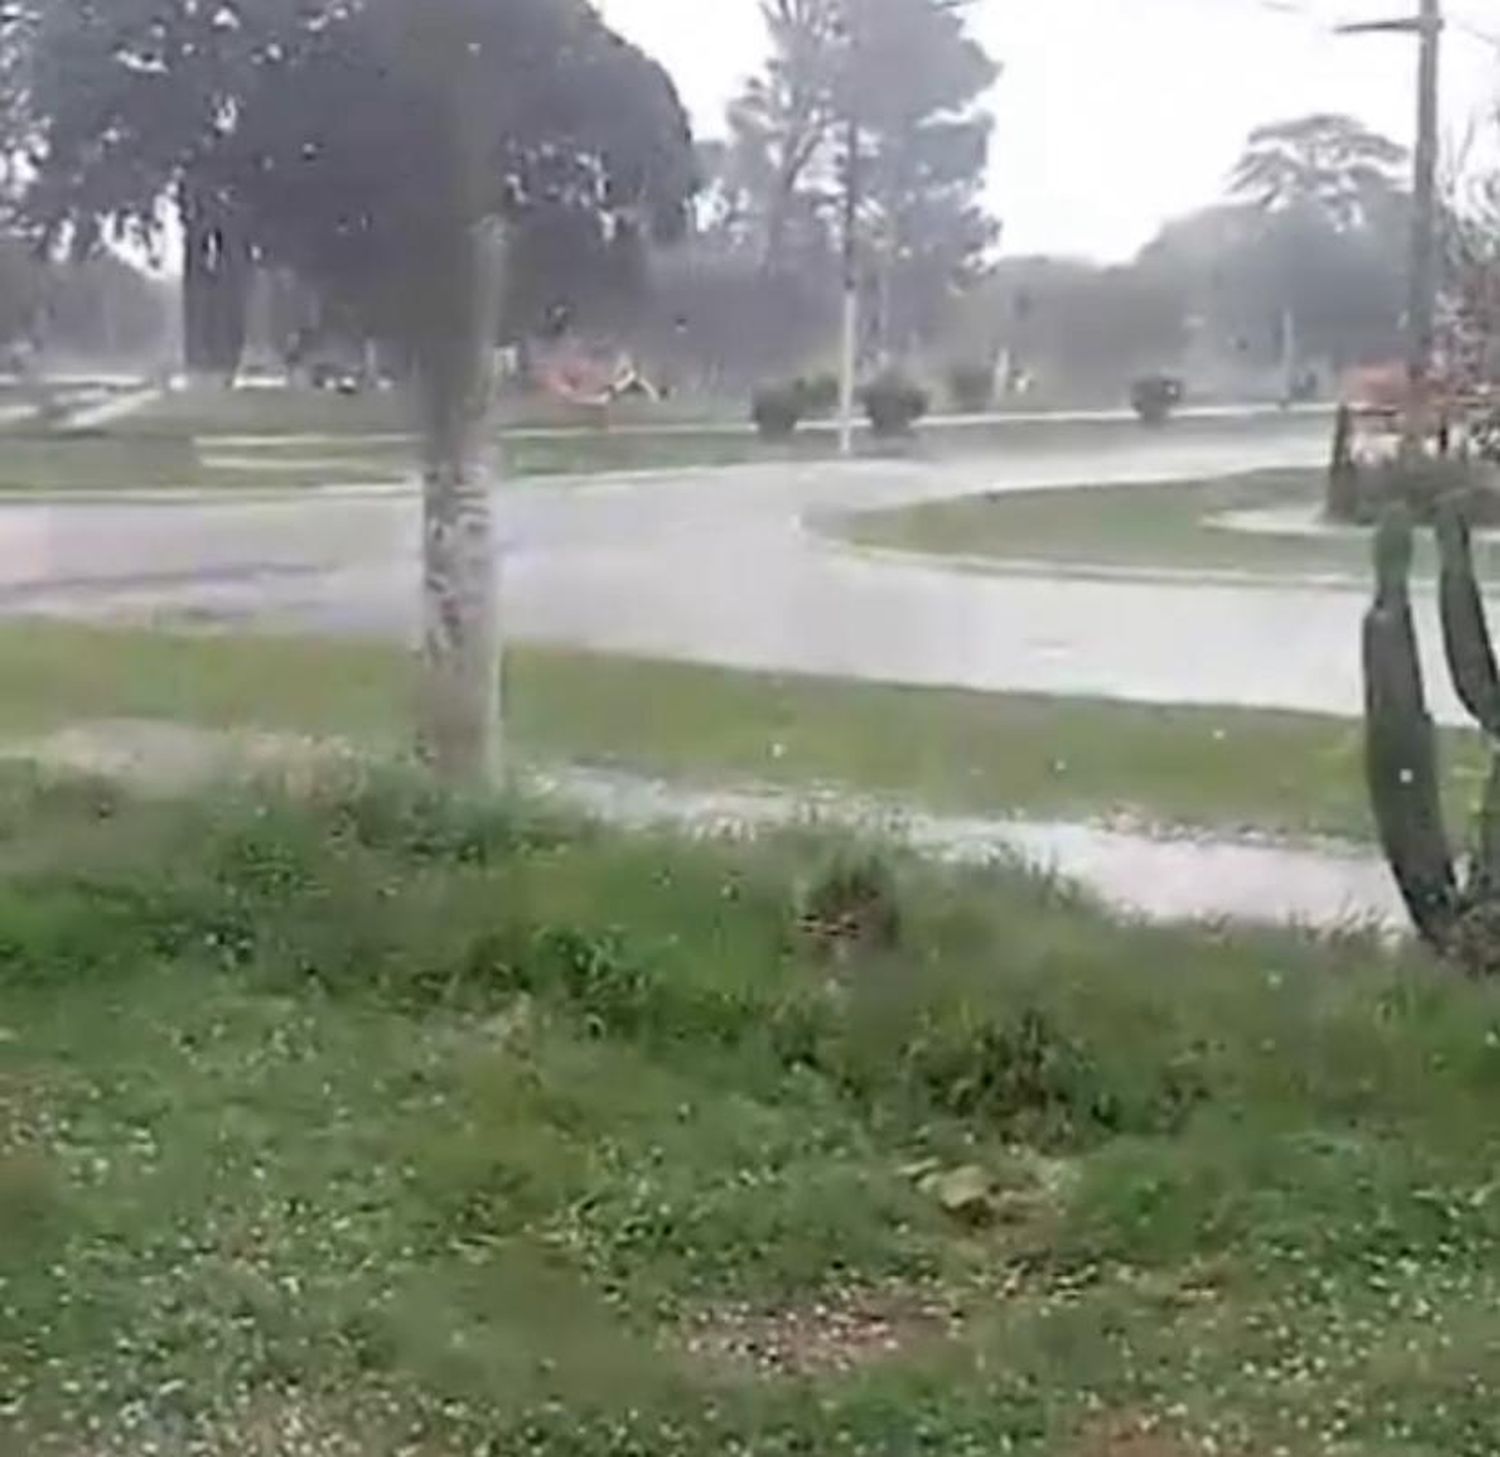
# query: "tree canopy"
{"type": "Point", "coordinates": [323, 131]}
{"type": "Point", "coordinates": [1326, 164]}
{"type": "Point", "coordinates": [911, 79]}
{"type": "Point", "coordinates": [123, 111]}
{"type": "Point", "coordinates": [408, 160]}
{"type": "Point", "coordinates": [352, 160]}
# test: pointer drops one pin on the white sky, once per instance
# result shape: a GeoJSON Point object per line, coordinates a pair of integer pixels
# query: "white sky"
{"type": "Point", "coordinates": [1114, 115]}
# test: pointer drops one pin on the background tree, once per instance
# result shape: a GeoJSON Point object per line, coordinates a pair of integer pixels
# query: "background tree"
{"type": "Point", "coordinates": [124, 111]}
{"type": "Point", "coordinates": [1326, 163]}
{"type": "Point", "coordinates": [1239, 272]}
{"type": "Point", "coordinates": [780, 129]}
{"type": "Point", "coordinates": [912, 77]}
{"type": "Point", "coordinates": [914, 85]}
{"type": "Point", "coordinates": [396, 161]}
{"type": "Point", "coordinates": [23, 293]}
{"type": "Point", "coordinates": [1331, 236]}
{"type": "Point", "coordinates": [1081, 331]}
{"type": "Point", "coordinates": [1471, 268]}
{"type": "Point", "coordinates": [105, 310]}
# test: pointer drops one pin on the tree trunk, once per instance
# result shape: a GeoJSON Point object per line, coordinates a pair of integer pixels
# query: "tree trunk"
{"type": "Point", "coordinates": [215, 281]}
{"type": "Point", "coordinates": [459, 705]}
{"type": "Point", "coordinates": [196, 286]}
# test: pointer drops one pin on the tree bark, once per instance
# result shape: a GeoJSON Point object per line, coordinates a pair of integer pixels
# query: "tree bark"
{"type": "Point", "coordinates": [458, 712]}
{"type": "Point", "coordinates": [215, 284]}
{"type": "Point", "coordinates": [195, 285]}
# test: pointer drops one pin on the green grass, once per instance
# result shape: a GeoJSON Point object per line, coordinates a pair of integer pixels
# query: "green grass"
{"type": "Point", "coordinates": [267, 411]}
{"type": "Point", "coordinates": [594, 452]}
{"type": "Point", "coordinates": [373, 1124]}
{"type": "Point", "coordinates": [1165, 525]}
{"type": "Point", "coordinates": [188, 441]}
{"type": "Point", "coordinates": [1222, 768]}
{"type": "Point", "coordinates": [300, 411]}
{"type": "Point", "coordinates": [93, 463]}
{"type": "Point", "coordinates": [31, 462]}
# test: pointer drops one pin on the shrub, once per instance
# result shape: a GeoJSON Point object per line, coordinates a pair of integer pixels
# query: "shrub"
{"type": "Point", "coordinates": [971, 387]}
{"type": "Point", "coordinates": [1154, 396]}
{"type": "Point", "coordinates": [894, 404]}
{"type": "Point", "coordinates": [777, 410]}
{"type": "Point", "coordinates": [820, 393]}
{"type": "Point", "coordinates": [1484, 436]}
{"type": "Point", "coordinates": [1422, 485]}
{"type": "Point", "coordinates": [852, 906]}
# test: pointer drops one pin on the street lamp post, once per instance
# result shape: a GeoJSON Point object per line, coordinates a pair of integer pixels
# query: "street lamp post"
{"type": "Point", "coordinates": [849, 337]}
{"type": "Point", "coordinates": [849, 323]}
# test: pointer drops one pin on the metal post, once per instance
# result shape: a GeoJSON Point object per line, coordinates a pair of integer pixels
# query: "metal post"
{"type": "Point", "coordinates": [1422, 306]}
{"type": "Point", "coordinates": [1289, 354]}
{"type": "Point", "coordinates": [1421, 309]}
{"type": "Point", "coordinates": [849, 339]}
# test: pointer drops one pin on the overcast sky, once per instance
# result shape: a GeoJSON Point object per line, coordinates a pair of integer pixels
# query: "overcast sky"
{"type": "Point", "coordinates": [1114, 115]}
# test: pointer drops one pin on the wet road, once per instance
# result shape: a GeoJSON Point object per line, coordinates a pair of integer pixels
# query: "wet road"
{"type": "Point", "coordinates": [1197, 879]}
{"type": "Point", "coordinates": [717, 566]}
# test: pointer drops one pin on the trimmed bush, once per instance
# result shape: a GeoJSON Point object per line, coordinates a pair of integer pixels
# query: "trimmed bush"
{"type": "Point", "coordinates": [777, 410]}
{"type": "Point", "coordinates": [1425, 484]}
{"type": "Point", "coordinates": [1154, 396]}
{"type": "Point", "coordinates": [894, 404]}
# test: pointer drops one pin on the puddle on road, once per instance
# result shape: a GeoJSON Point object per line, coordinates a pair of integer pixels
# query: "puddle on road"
{"type": "Point", "coordinates": [1160, 879]}
{"type": "Point", "coordinates": [1324, 886]}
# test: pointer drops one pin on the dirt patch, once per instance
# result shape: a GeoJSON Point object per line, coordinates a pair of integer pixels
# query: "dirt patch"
{"type": "Point", "coordinates": [831, 1337]}
{"type": "Point", "coordinates": [1131, 1437]}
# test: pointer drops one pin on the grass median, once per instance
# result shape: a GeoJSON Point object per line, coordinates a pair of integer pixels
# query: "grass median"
{"type": "Point", "coordinates": [47, 464]}
{"type": "Point", "coordinates": [1171, 526]}
{"type": "Point", "coordinates": [371, 1124]}
{"type": "Point", "coordinates": [1220, 769]}
{"type": "Point", "coordinates": [260, 441]}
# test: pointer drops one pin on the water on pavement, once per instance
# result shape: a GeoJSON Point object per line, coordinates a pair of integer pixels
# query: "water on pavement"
{"type": "Point", "coordinates": [1197, 879]}
{"type": "Point", "coordinates": [717, 566]}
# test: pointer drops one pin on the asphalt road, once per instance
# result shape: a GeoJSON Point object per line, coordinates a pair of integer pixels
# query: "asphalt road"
{"type": "Point", "coordinates": [718, 566]}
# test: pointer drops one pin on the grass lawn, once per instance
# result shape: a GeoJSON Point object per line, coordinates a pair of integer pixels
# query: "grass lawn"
{"type": "Point", "coordinates": [148, 461]}
{"type": "Point", "coordinates": [108, 462]}
{"type": "Point", "coordinates": [949, 750]}
{"type": "Point", "coordinates": [372, 1125]}
{"type": "Point", "coordinates": [259, 440]}
{"type": "Point", "coordinates": [1168, 525]}
{"type": "Point", "coordinates": [275, 411]}
{"type": "Point", "coordinates": [594, 452]}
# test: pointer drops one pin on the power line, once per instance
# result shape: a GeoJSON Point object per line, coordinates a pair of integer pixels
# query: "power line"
{"type": "Point", "coordinates": [1308, 10]}
{"type": "Point", "coordinates": [1473, 31]}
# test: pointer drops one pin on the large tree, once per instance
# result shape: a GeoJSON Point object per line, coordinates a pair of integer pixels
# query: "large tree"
{"type": "Point", "coordinates": [908, 79]}
{"type": "Point", "coordinates": [124, 109]}
{"type": "Point", "coordinates": [1328, 223]}
{"type": "Point", "coordinates": [408, 161]}
{"type": "Point", "coordinates": [913, 88]}
{"type": "Point", "coordinates": [780, 128]}
{"type": "Point", "coordinates": [1330, 165]}
{"type": "Point", "coordinates": [1240, 272]}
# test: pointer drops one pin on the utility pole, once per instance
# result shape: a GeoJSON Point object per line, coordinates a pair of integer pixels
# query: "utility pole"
{"type": "Point", "coordinates": [849, 339]}
{"type": "Point", "coordinates": [1422, 299]}
{"type": "Point", "coordinates": [847, 28]}
{"type": "Point", "coordinates": [1424, 249]}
